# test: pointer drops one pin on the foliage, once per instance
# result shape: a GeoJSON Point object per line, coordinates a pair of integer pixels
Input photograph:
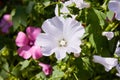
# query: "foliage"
{"type": "Point", "coordinates": [34, 13]}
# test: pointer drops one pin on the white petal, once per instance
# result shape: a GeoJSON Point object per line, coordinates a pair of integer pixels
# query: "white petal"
{"type": "Point", "coordinates": [108, 63]}
{"type": "Point", "coordinates": [117, 16]}
{"type": "Point", "coordinates": [109, 35]}
{"type": "Point", "coordinates": [64, 10]}
{"type": "Point", "coordinates": [56, 10]}
{"type": "Point", "coordinates": [45, 41]}
{"type": "Point", "coordinates": [60, 53]}
{"type": "Point", "coordinates": [80, 4]}
{"type": "Point", "coordinates": [117, 51]}
{"type": "Point", "coordinates": [71, 28]}
{"type": "Point", "coordinates": [118, 69]}
{"type": "Point", "coordinates": [53, 26]}
{"type": "Point", "coordinates": [114, 5]}
{"type": "Point", "coordinates": [74, 46]}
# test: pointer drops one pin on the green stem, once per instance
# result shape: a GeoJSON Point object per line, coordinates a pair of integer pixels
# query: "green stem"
{"type": "Point", "coordinates": [112, 26]}
{"type": "Point", "coordinates": [75, 76]}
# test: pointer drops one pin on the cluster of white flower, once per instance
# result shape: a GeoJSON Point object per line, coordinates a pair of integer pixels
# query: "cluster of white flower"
{"type": "Point", "coordinates": [108, 62]}
{"type": "Point", "coordinates": [60, 37]}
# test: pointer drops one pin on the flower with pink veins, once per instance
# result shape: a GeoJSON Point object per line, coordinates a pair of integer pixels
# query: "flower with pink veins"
{"type": "Point", "coordinates": [46, 68]}
{"type": "Point", "coordinates": [6, 23]}
{"type": "Point", "coordinates": [26, 43]}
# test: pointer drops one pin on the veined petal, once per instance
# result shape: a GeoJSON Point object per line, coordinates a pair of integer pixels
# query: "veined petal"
{"type": "Point", "coordinates": [53, 26]}
{"type": "Point", "coordinates": [24, 52]}
{"type": "Point", "coordinates": [5, 29]}
{"type": "Point", "coordinates": [117, 16]}
{"type": "Point", "coordinates": [109, 35]}
{"type": "Point", "coordinates": [36, 52]}
{"type": "Point", "coordinates": [21, 39]}
{"type": "Point", "coordinates": [32, 32]}
{"type": "Point", "coordinates": [108, 63]}
{"type": "Point", "coordinates": [118, 69]}
{"type": "Point", "coordinates": [60, 53]}
{"type": "Point", "coordinates": [75, 29]}
{"type": "Point", "coordinates": [117, 51]}
{"type": "Point", "coordinates": [114, 5]}
{"type": "Point", "coordinates": [61, 36]}
{"type": "Point", "coordinates": [74, 46]}
{"type": "Point", "coordinates": [45, 41]}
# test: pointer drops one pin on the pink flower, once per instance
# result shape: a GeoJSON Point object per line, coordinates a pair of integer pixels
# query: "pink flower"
{"type": "Point", "coordinates": [6, 23]}
{"type": "Point", "coordinates": [47, 69]}
{"type": "Point", "coordinates": [26, 43]}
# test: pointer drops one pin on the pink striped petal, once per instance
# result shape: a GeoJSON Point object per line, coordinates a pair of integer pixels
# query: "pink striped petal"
{"type": "Point", "coordinates": [33, 32]}
{"type": "Point", "coordinates": [36, 52]}
{"type": "Point", "coordinates": [46, 68]}
{"type": "Point", "coordinates": [21, 39]}
{"type": "Point", "coordinates": [24, 52]}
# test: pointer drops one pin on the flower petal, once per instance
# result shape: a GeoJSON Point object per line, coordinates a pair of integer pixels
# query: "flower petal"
{"type": "Point", "coordinates": [118, 69]}
{"type": "Point", "coordinates": [75, 29]}
{"type": "Point", "coordinates": [36, 52]}
{"type": "Point", "coordinates": [117, 16]}
{"type": "Point", "coordinates": [53, 26]}
{"type": "Point", "coordinates": [60, 53]}
{"type": "Point", "coordinates": [108, 63]}
{"type": "Point", "coordinates": [32, 32]}
{"type": "Point", "coordinates": [46, 68]}
{"type": "Point", "coordinates": [109, 35]}
{"type": "Point", "coordinates": [114, 5]}
{"type": "Point", "coordinates": [24, 52]}
{"type": "Point", "coordinates": [45, 41]}
{"type": "Point", "coordinates": [7, 17]}
{"type": "Point", "coordinates": [5, 28]}
{"type": "Point", "coordinates": [21, 39]}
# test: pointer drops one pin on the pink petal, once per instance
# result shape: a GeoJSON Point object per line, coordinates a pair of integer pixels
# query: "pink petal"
{"type": "Point", "coordinates": [46, 68]}
{"type": "Point", "coordinates": [5, 28]}
{"type": "Point", "coordinates": [7, 17]}
{"type": "Point", "coordinates": [36, 52]}
{"type": "Point", "coordinates": [24, 52]}
{"type": "Point", "coordinates": [2, 23]}
{"type": "Point", "coordinates": [21, 39]}
{"type": "Point", "coordinates": [33, 32]}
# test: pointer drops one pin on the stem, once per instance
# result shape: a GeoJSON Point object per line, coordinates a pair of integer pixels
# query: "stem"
{"type": "Point", "coordinates": [52, 4]}
{"type": "Point", "coordinates": [104, 4]}
{"type": "Point", "coordinates": [75, 76]}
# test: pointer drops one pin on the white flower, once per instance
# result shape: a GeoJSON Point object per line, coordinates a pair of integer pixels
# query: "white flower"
{"type": "Point", "coordinates": [108, 63]}
{"type": "Point", "coordinates": [80, 4]}
{"type": "Point", "coordinates": [64, 10]}
{"type": "Point", "coordinates": [109, 35]}
{"type": "Point", "coordinates": [118, 69]}
{"type": "Point", "coordinates": [117, 51]}
{"type": "Point", "coordinates": [114, 5]}
{"type": "Point", "coordinates": [61, 36]}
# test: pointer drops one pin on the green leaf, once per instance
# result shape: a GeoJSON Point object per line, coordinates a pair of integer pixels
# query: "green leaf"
{"type": "Point", "coordinates": [30, 6]}
{"type": "Point", "coordinates": [20, 18]}
{"type": "Point", "coordinates": [16, 71]}
{"type": "Point", "coordinates": [24, 64]}
{"type": "Point", "coordinates": [95, 29]}
{"type": "Point", "coordinates": [57, 74]}
{"type": "Point", "coordinates": [110, 15]}
{"type": "Point", "coordinates": [1, 78]}
{"type": "Point", "coordinates": [83, 72]}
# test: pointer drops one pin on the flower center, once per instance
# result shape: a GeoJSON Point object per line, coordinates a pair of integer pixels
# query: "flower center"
{"type": "Point", "coordinates": [31, 43]}
{"type": "Point", "coordinates": [62, 43]}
